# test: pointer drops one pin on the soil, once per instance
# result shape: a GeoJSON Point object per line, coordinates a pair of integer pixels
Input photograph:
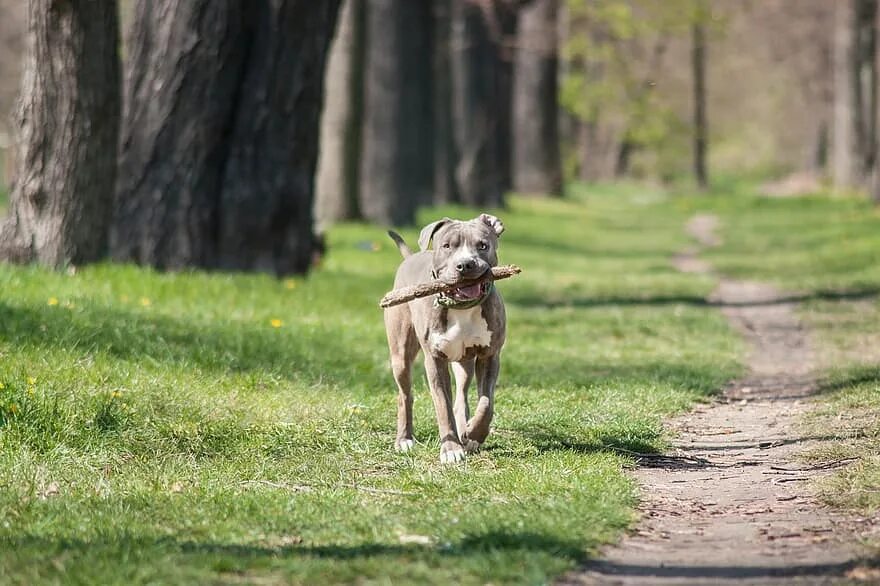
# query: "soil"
{"type": "Point", "coordinates": [732, 503]}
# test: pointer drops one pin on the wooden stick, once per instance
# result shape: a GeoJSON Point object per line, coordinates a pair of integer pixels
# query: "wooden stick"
{"type": "Point", "coordinates": [405, 294]}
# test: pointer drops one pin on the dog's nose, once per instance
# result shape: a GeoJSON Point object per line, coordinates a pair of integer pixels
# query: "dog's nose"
{"type": "Point", "coordinates": [465, 266]}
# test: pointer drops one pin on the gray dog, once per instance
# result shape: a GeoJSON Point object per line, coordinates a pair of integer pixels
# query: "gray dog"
{"type": "Point", "coordinates": [464, 329]}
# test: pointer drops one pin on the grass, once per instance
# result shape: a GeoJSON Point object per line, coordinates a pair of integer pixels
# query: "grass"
{"type": "Point", "coordinates": [827, 250]}
{"type": "Point", "coordinates": [210, 428]}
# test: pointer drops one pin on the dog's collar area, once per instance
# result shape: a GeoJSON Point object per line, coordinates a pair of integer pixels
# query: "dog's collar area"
{"type": "Point", "coordinates": [445, 301]}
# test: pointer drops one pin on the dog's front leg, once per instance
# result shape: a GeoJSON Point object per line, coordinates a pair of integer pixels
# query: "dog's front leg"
{"type": "Point", "coordinates": [464, 372]}
{"type": "Point", "coordinates": [437, 370]}
{"type": "Point", "coordinates": [487, 374]}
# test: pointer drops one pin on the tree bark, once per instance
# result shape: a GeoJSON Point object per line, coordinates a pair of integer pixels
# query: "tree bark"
{"type": "Point", "coordinates": [397, 165]}
{"type": "Point", "coordinates": [68, 127]}
{"type": "Point", "coordinates": [220, 134]}
{"type": "Point", "coordinates": [474, 106]}
{"type": "Point", "coordinates": [336, 195]}
{"type": "Point", "coordinates": [845, 154]}
{"type": "Point", "coordinates": [445, 189]}
{"type": "Point", "coordinates": [537, 166]}
{"type": "Point", "coordinates": [701, 142]}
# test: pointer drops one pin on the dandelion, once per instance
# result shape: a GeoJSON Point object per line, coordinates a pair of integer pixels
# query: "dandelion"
{"type": "Point", "coordinates": [289, 284]}
{"type": "Point", "coordinates": [115, 395]}
{"type": "Point", "coordinates": [2, 386]}
{"type": "Point", "coordinates": [52, 301]}
{"type": "Point", "coordinates": [31, 380]}
{"type": "Point", "coordinates": [276, 323]}
{"type": "Point", "coordinates": [145, 301]}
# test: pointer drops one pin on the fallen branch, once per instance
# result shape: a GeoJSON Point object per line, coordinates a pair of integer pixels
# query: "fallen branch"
{"type": "Point", "coordinates": [404, 294]}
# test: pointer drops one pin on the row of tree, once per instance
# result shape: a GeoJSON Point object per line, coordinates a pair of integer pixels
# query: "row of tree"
{"type": "Point", "coordinates": [204, 156]}
{"type": "Point", "coordinates": [448, 100]}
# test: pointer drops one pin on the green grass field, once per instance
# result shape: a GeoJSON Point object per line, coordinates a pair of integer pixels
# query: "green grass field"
{"type": "Point", "coordinates": [828, 251]}
{"type": "Point", "coordinates": [192, 428]}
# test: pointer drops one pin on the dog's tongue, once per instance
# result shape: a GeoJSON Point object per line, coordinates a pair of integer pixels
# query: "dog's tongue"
{"type": "Point", "coordinates": [470, 292]}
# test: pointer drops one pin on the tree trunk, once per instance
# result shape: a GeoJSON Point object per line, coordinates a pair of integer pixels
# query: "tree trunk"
{"type": "Point", "coordinates": [537, 167]}
{"type": "Point", "coordinates": [698, 63]}
{"type": "Point", "coordinates": [68, 127]}
{"type": "Point", "coordinates": [474, 106]}
{"type": "Point", "coordinates": [336, 195]}
{"type": "Point", "coordinates": [845, 156]}
{"type": "Point", "coordinates": [444, 145]}
{"type": "Point", "coordinates": [220, 134]}
{"type": "Point", "coordinates": [397, 165]}
{"type": "Point", "coordinates": [503, 35]}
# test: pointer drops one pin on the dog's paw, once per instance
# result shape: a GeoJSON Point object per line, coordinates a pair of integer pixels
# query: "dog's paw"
{"type": "Point", "coordinates": [452, 454]}
{"type": "Point", "coordinates": [405, 445]}
{"type": "Point", "coordinates": [472, 446]}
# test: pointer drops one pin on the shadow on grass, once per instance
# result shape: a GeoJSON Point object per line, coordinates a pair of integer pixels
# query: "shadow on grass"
{"type": "Point", "coordinates": [530, 301]}
{"type": "Point", "coordinates": [141, 337]}
{"type": "Point", "coordinates": [235, 557]}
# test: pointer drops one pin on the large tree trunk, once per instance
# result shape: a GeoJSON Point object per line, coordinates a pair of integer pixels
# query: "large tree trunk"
{"type": "Point", "coordinates": [68, 127]}
{"type": "Point", "coordinates": [336, 195]}
{"type": "Point", "coordinates": [701, 132]}
{"type": "Point", "coordinates": [475, 65]}
{"type": "Point", "coordinates": [397, 166]}
{"type": "Point", "coordinates": [220, 134]}
{"type": "Point", "coordinates": [445, 189]}
{"type": "Point", "coordinates": [537, 167]}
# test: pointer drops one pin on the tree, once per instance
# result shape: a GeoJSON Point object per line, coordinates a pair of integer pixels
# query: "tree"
{"type": "Point", "coordinates": [445, 188]}
{"type": "Point", "coordinates": [855, 92]}
{"type": "Point", "coordinates": [397, 164]}
{"type": "Point", "coordinates": [701, 133]}
{"type": "Point", "coordinates": [68, 126]}
{"type": "Point", "coordinates": [339, 160]}
{"type": "Point", "coordinates": [475, 64]}
{"type": "Point", "coordinates": [536, 160]}
{"type": "Point", "coordinates": [220, 134]}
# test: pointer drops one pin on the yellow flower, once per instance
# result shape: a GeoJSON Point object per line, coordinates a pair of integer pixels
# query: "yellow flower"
{"type": "Point", "coordinates": [145, 301]}
{"type": "Point", "coordinates": [2, 386]}
{"type": "Point", "coordinates": [30, 390]}
{"type": "Point", "coordinates": [276, 323]}
{"type": "Point", "coordinates": [289, 284]}
{"type": "Point", "coordinates": [53, 301]}
{"type": "Point", "coordinates": [31, 380]}
{"type": "Point", "coordinates": [115, 395]}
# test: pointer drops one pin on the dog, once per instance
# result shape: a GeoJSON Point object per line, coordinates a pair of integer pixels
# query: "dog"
{"type": "Point", "coordinates": [464, 329]}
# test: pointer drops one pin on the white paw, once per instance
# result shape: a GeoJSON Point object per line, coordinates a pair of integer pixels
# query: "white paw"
{"type": "Point", "coordinates": [471, 446]}
{"type": "Point", "coordinates": [405, 445]}
{"type": "Point", "coordinates": [452, 456]}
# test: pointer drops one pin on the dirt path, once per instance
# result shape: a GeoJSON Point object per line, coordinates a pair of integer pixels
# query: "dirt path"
{"type": "Point", "coordinates": [732, 504]}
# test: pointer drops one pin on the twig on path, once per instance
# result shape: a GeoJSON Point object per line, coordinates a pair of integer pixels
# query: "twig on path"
{"type": "Point", "coordinates": [823, 466]}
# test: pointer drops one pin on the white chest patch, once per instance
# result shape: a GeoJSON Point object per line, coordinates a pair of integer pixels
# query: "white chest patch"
{"type": "Point", "coordinates": [465, 328]}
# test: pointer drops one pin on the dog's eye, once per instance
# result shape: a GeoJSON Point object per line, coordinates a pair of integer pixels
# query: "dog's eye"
{"type": "Point", "coordinates": [482, 245]}
{"type": "Point", "coordinates": [446, 245]}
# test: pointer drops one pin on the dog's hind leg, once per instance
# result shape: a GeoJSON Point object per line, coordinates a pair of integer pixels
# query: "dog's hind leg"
{"type": "Point", "coordinates": [487, 374]}
{"type": "Point", "coordinates": [463, 372]}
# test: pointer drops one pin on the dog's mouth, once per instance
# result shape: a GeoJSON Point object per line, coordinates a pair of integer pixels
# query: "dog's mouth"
{"type": "Point", "coordinates": [470, 292]}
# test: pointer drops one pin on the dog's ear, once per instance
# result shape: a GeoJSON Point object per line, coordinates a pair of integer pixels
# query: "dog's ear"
{"type": "Point", "coordinates": [428, 232]}
{"type": "Point", "coordinates": [493, 223]}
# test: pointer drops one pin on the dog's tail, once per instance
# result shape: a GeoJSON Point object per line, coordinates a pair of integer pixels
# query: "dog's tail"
{"type": "Point", "coordinates": [401, 245]}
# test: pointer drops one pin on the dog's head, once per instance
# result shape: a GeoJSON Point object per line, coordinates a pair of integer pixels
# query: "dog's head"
{"type": "Point", "coordinates": [463, 250]}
